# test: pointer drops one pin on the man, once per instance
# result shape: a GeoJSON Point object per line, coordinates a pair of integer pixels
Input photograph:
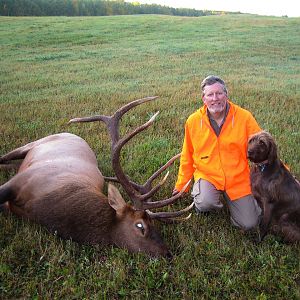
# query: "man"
{"type": "Point", "coordinates": [215, 153]}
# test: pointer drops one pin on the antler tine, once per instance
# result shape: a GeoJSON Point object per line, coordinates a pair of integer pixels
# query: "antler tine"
{"type": "Point", "coordinates": [138, 187]}
{"type": "Point", "coordinates": [112, 179]}
{"type": "Point", "coordinates": [160, 170]}
{"type": "Point", "coordinates": [165, 202]}
{"type": "Point", "coordinates": [174, 220]}
{"type": "Point", "coordinates": [121, 111]}
{"type": "Point", "coordinates": [118, 114]}
{"type": "Point", "coordinates": [129, 136]}
{"type": "Point", "coordinates": [169, 215]}
{"type": "Point", "coordinates": [146, 195]}
{"type": "Point", "coordinates": [103, 118]}
{"type": "Point", "coordinates": [146, 189]}
{"type": "Point", "coordinates": [131, 189]}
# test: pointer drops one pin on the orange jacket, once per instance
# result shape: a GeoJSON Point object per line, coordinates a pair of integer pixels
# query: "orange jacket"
{"type": "Point", "coordinates": [220, 160]}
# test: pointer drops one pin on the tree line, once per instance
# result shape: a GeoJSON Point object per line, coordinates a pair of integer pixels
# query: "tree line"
{"type": "Point", "coordinates": [90, 8]}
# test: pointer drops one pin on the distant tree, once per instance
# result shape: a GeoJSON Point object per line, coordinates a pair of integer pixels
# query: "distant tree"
{"type": "Point", "coordinates": [88, 8]}
{"type": "Point", "coordinates": [75, 7]}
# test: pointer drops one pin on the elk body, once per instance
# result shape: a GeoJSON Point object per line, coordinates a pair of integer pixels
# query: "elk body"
{"type": "Point", "coordinates": [59, 186]}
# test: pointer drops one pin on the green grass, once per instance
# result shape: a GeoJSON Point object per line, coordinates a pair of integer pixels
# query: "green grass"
{"type": "Point", "coordinates": [56, 68]}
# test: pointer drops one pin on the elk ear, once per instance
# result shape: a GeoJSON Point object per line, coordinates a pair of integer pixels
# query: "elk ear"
{"type": "Point", "coordinates": [115, 199]}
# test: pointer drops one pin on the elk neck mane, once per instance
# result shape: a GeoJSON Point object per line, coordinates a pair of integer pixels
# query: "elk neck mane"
{"type": "Point", "coordinates": [86, 207]}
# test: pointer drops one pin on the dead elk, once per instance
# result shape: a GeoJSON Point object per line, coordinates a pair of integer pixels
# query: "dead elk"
{"type": "Point", "coordinates": [59, 186]}
{"type": "Point", "coordinates": [275, 189]}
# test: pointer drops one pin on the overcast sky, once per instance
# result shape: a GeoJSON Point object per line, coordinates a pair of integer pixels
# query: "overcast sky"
{"type": "Point", "coordinates": [290, 8]}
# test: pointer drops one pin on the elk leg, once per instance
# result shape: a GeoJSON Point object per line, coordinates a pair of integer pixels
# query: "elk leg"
{"type": "Point", "coordinates": [4, 208]}
{"type": "Point", "coordinates": [18, 153]}
{"type": "Point", "coordinates": [6, 193]}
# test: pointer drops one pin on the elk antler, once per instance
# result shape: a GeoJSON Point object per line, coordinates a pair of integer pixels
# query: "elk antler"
{"type": "Point", "coordinates": [139, 194]}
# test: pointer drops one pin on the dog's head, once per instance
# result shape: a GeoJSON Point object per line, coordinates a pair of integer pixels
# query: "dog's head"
{"type": "Point", "coordinates": [262, 148]}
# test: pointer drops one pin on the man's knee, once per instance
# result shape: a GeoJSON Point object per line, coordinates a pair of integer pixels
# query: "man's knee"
{"type": "Point", "coordinates": [245, 213]}
{"type": "Point", "coordinates": [206, 197]}
{"type": "Point", "coordinates": [206, 202]}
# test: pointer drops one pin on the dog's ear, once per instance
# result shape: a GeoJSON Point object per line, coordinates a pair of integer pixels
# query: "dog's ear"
{"type": "Point", "coordinates": [272, 157]}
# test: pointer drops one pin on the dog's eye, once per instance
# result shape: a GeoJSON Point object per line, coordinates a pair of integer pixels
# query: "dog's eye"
{"type": "Point", "coordinates": [262, 143]}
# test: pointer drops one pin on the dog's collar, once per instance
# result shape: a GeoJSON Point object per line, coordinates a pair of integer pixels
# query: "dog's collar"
{"type": "Point", "coordinates": [262, 165]}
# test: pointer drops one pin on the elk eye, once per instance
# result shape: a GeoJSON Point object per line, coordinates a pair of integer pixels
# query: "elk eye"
{"type": "Point", "coordinates": [140, 227]}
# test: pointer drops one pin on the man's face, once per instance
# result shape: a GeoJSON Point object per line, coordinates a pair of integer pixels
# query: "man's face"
{"type": "Point", "coordinates": [215, 97]}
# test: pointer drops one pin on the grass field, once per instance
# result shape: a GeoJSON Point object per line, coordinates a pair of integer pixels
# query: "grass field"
{"type": "Point", "coordinates": [56, 68]}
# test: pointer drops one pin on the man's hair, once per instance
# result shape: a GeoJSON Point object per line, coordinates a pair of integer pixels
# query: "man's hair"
{"type": "Point", "coordinates": [210, 80]}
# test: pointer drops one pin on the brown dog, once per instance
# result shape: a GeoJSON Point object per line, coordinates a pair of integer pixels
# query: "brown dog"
{"type": "Point", "coordinates": [275, 189]}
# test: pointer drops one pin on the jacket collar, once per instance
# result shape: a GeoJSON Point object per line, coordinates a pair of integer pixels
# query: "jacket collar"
{"type": "Point", "coordinates": [231, 113]}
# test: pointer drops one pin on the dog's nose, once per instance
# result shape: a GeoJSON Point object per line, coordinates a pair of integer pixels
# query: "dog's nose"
{"type": "Point", "coordinates": [250, 153]}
